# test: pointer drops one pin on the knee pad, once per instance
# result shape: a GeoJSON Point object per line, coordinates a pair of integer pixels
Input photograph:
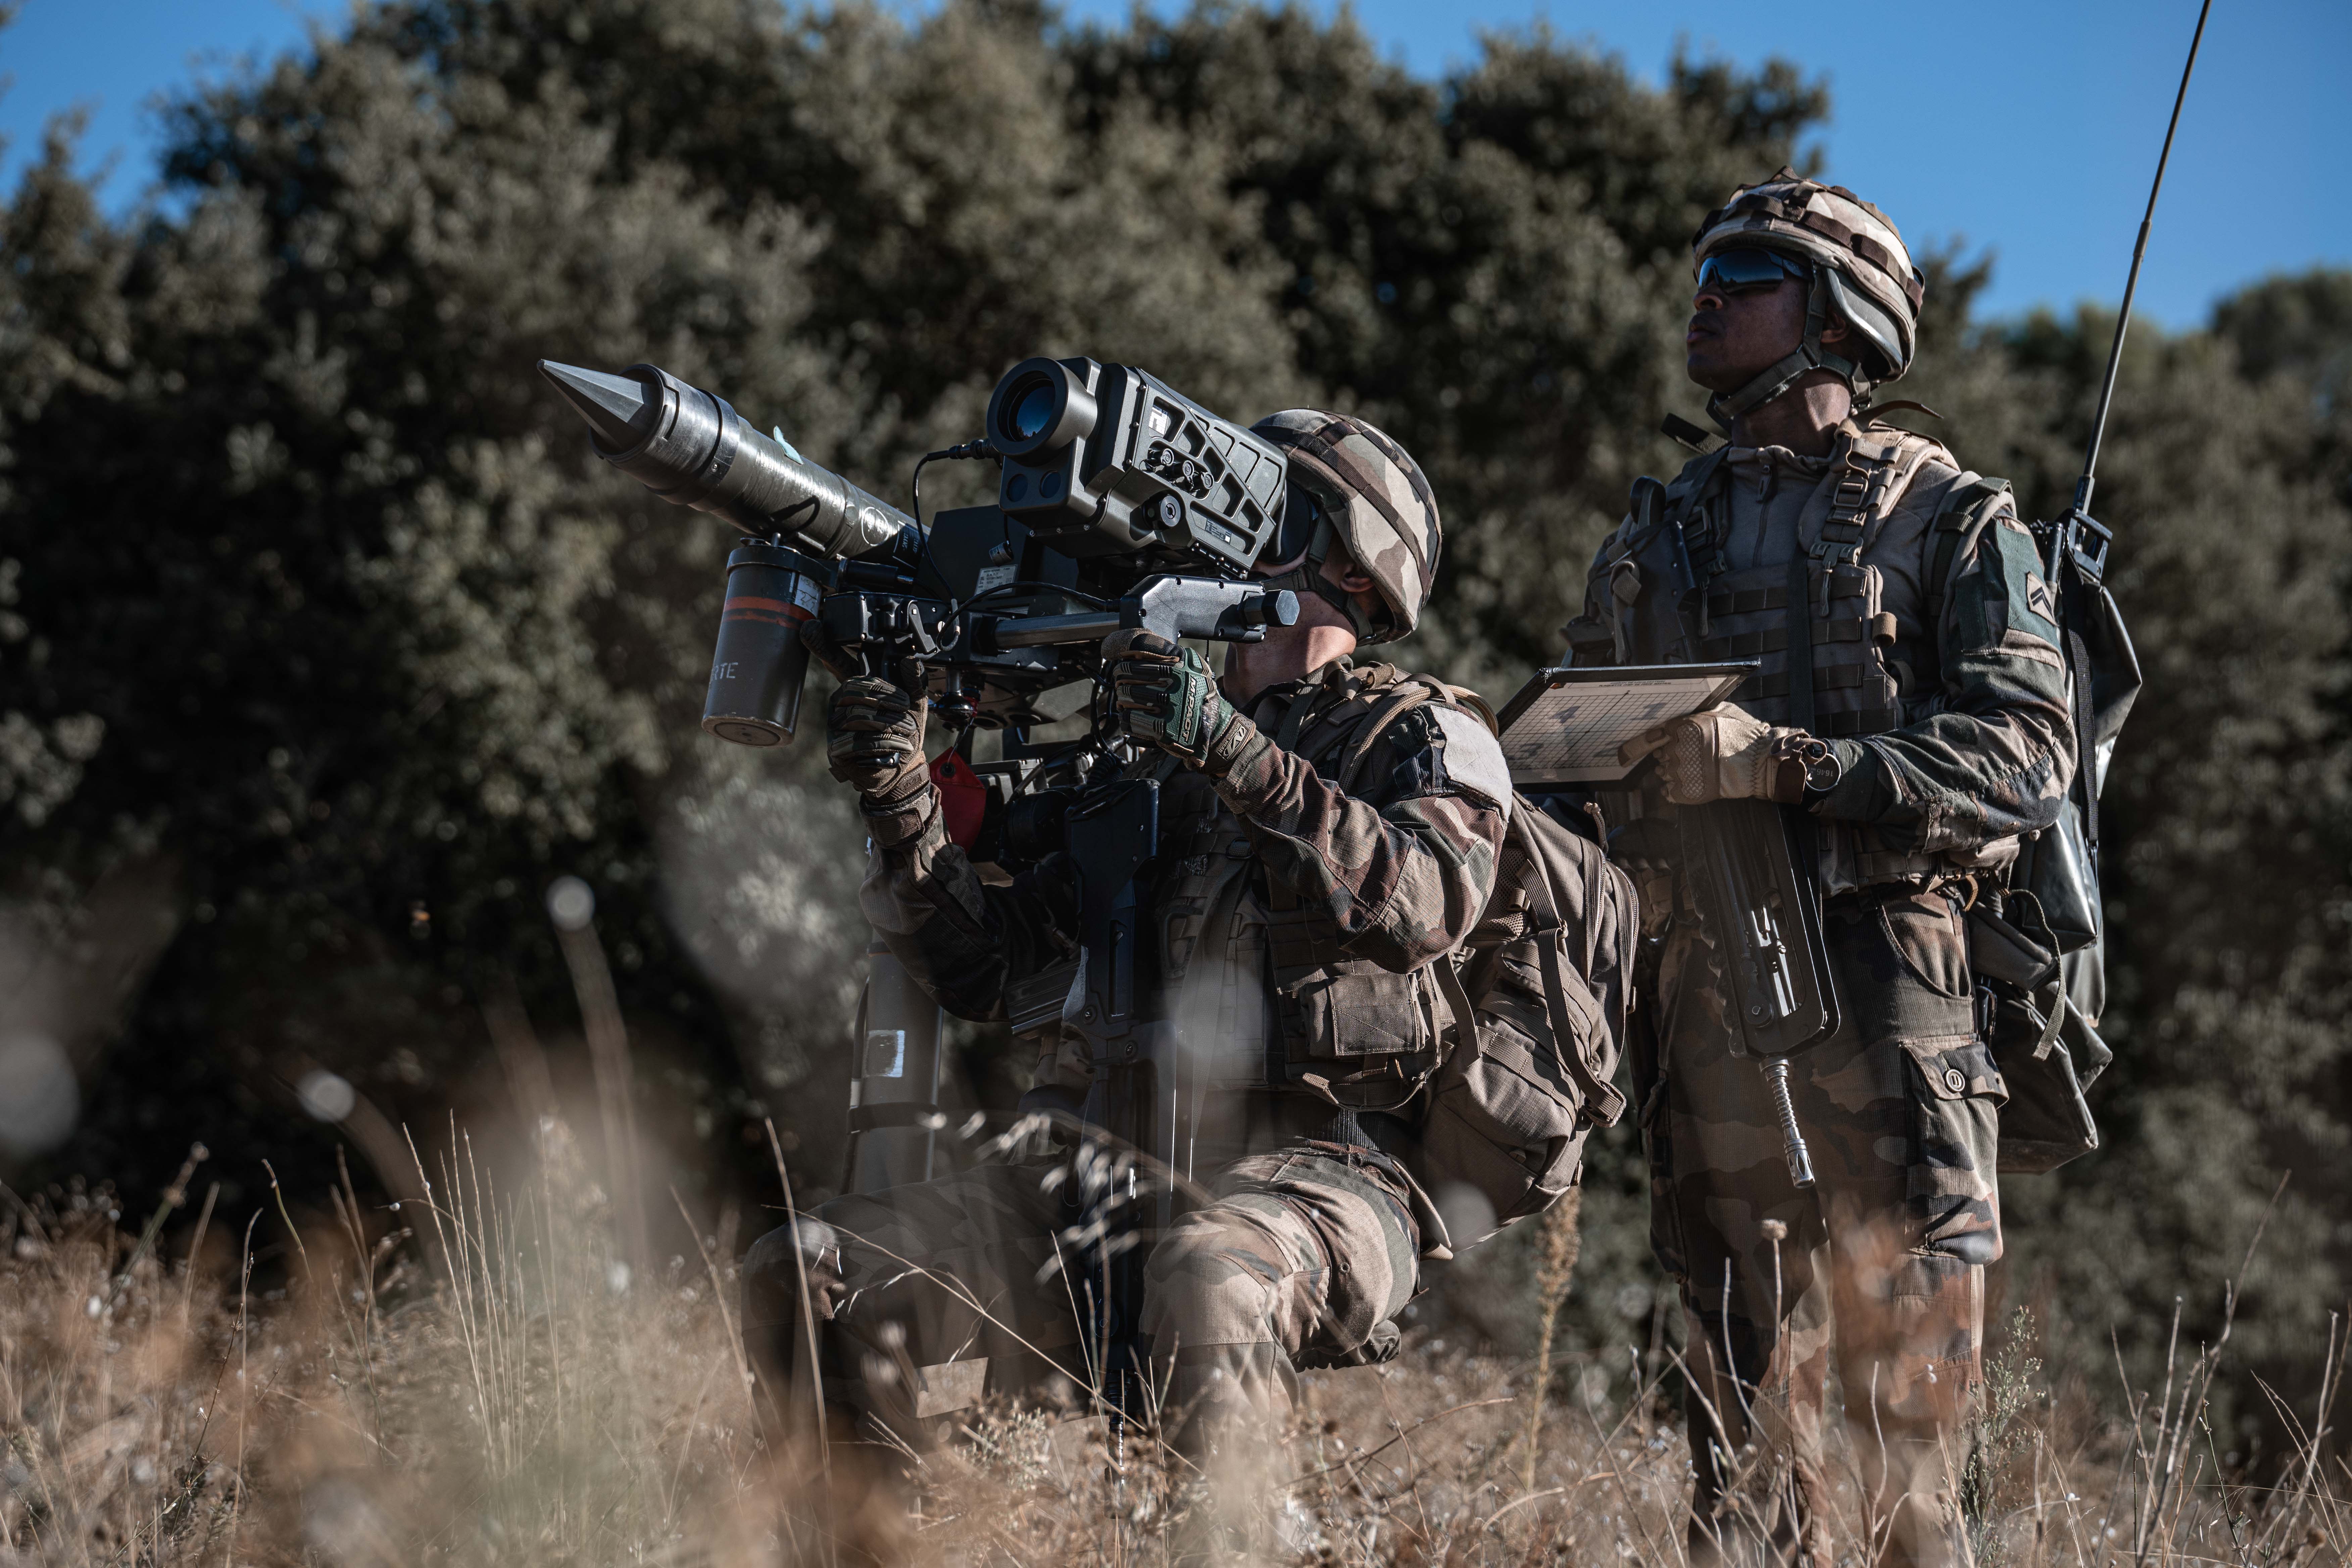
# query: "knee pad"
{"type": "Point", "coordinates": [1198, 1293]}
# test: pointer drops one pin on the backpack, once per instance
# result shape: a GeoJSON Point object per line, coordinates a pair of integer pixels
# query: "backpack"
{"type": "Point", "coordinates": [2038, 944]}
{"type": "Point", "coordinates": [1538, 992]}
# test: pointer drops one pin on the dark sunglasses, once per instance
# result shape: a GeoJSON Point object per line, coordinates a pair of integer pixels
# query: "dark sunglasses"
{"type": "Point", "coordinates": [1738, 271]}
{"type": "Point", "coordinates": [1302, 513]}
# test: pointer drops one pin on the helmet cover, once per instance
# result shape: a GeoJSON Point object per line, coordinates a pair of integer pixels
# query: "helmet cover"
{"type": "Point", "coordinates": [1378, 500]}
{"type": "Point", "coordinates": [1871, 278]}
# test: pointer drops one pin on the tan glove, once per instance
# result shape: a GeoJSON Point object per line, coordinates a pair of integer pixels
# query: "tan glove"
{"type": "Point", "coordinates": [874, 739]}
{"type": "Point", "coordinates": [873, 728]}
{"type": "Point", "coordinates": [1723, 754]}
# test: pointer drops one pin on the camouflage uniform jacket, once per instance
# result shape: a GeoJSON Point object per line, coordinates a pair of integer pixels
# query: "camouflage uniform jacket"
{"type": "Point", "coordinates": [1954, 736]}
{"type": "Point", "coordinates": [1305, 891]}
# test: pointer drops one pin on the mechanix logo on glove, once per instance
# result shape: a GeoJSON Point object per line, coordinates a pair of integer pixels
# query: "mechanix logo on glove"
{"type": "Point", "coordinates": [1164, 693]}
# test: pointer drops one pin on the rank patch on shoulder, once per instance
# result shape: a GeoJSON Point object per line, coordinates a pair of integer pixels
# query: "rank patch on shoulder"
{"type": "Point", "coordinates": [2038, 598]}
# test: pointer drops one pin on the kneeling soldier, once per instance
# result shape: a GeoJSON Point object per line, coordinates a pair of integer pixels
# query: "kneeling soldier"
{"type": "Point", "coordinates": [1309, 889]}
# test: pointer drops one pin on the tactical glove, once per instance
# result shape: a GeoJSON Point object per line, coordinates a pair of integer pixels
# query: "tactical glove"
{"type": "Point", "coordinates": [1726, 753]}
{"type": "Point", "coordinates": [873, 729]}
{"type": "Point", "coordinates": [1163, 693]}
{"type": "Point", "coordinates": [874, 740]}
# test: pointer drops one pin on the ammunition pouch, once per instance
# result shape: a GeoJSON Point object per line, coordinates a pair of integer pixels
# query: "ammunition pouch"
{"type": "Point", "coordinates": [2045, 1045]}
{"type": "Point", "coordinates": [2010, 941]}
{"type": "Point", "coordinates": [2054, 868]}
{"type": "Point", "coordinates": [1331, 1010]}
{"type": "Point", "coordinates": [2049, 1054]}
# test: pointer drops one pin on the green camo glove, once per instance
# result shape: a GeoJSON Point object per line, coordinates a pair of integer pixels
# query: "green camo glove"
{"type": "Point", "coordinates": [1164, 694]}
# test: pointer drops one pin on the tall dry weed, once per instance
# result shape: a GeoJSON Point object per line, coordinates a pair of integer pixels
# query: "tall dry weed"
{"type": "Point", "coordinates": [482, 1376]}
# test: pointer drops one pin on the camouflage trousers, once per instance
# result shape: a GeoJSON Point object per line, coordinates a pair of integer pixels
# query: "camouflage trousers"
{"type": "Point", "coordinates": [1880, 1265]}
{"type": "Point", "coordinates": [939, 1292]}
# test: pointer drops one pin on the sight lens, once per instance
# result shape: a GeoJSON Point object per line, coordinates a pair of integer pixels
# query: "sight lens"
{"type": "Point", "coordinates": [1032, 412]}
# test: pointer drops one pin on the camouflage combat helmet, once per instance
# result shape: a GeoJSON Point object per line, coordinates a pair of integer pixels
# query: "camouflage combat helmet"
{"type": "Point", "coordinates": [1350, 482]}
{"type": "Point", "coordinates": [1861, 274]}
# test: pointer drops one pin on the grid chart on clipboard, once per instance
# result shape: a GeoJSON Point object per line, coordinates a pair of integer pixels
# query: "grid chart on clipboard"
{"type": "Point", "coordinates": [1570, 732]}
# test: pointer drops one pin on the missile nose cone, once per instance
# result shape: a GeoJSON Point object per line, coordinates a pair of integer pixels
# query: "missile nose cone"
{"type": "Point", "coordinates": [619, 408]}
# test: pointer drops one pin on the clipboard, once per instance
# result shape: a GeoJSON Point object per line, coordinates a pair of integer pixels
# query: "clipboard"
{"type": "Point", "coordinates": [1564, 726]}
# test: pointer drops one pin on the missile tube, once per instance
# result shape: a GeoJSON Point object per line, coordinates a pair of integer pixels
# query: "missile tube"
{"type": "Point", "coordinates": [693, 449]}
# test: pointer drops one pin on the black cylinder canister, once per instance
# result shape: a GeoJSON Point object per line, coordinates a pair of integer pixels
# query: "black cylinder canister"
{"type": "Point", "coordinates": [757, 670]}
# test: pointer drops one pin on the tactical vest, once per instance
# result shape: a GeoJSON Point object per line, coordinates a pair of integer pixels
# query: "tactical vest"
{"type": "Point", "coordinates": [1254, 978]}
{"type": "Point", "coordinates": [1867, 656]}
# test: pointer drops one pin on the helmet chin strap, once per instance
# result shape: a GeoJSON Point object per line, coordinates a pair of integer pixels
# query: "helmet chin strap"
{"type": "Point", "coordinates": [1808, 356]}
{"type": "Point", "coordinates": [1307, 577]}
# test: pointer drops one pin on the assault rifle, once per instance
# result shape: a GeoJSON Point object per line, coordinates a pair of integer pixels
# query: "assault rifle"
{"type": "Point", "coordinates": [1753, 868]}
{"type": "Point", "coordinates": [1121, 504]}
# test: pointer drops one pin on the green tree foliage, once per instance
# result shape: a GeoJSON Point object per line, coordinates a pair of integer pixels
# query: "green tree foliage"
{"type": "Point", "coordinates": [318, 621]}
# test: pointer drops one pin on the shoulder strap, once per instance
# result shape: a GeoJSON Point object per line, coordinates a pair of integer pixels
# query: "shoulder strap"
{"type": "Point", "coordinates": [1407, 695]}
{"type": "Point", "coordinates": [1337, 710]}
{"type": "Point", "coordinates": [1295, 717]}
{"type": "Point", "coordinates": [2075, 650]}
{"type": "Point", "coordinates": [1543, 922]}
{"type": "Point", "coordinates": [1873, 472]}
{"type": "Point", "coordinates": [1679, 502]}
{"type": "Point", "coordinates": [1596, 867]}
{"type": "Point", "coordinates": [1457, 1002]}
{"type": "Point", "coordinates": [1693, 480]}
{"type": "Point", "coordinates": [1912, 453]}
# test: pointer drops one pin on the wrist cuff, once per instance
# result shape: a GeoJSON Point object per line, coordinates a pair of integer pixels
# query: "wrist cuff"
{"type": "Point", "coordinates": [1864, 792]}
{"type": "Point", "coordinates": [1231, 744]}
{"type": "Point", "coordinates": [896, 820]}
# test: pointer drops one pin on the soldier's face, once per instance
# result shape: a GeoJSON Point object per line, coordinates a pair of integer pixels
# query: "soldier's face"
{"type": "Point", "coordinates": [1736, 335]}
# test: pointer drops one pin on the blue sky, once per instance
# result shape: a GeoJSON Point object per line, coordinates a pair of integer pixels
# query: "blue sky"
{"type": "Point", "coordinates": [2027, 130]}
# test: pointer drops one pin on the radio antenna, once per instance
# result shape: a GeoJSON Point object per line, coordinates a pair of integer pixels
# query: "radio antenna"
{"type": "Point", "coordinates": [2082, 512]}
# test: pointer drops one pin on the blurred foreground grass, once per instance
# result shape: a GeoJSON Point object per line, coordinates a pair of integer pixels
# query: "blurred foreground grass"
{"type": "Point", "coordinates": [477, 1375]}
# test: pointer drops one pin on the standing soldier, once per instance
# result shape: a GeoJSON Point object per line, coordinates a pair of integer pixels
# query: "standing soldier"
{"type": "Point", "coordinates": [1926, 733]}
{"type": "Point", "coordinates": [1329, 834]}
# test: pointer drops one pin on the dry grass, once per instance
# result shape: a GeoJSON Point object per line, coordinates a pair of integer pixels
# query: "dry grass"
{"type": "Point", "coordinates": [473, 1379]}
